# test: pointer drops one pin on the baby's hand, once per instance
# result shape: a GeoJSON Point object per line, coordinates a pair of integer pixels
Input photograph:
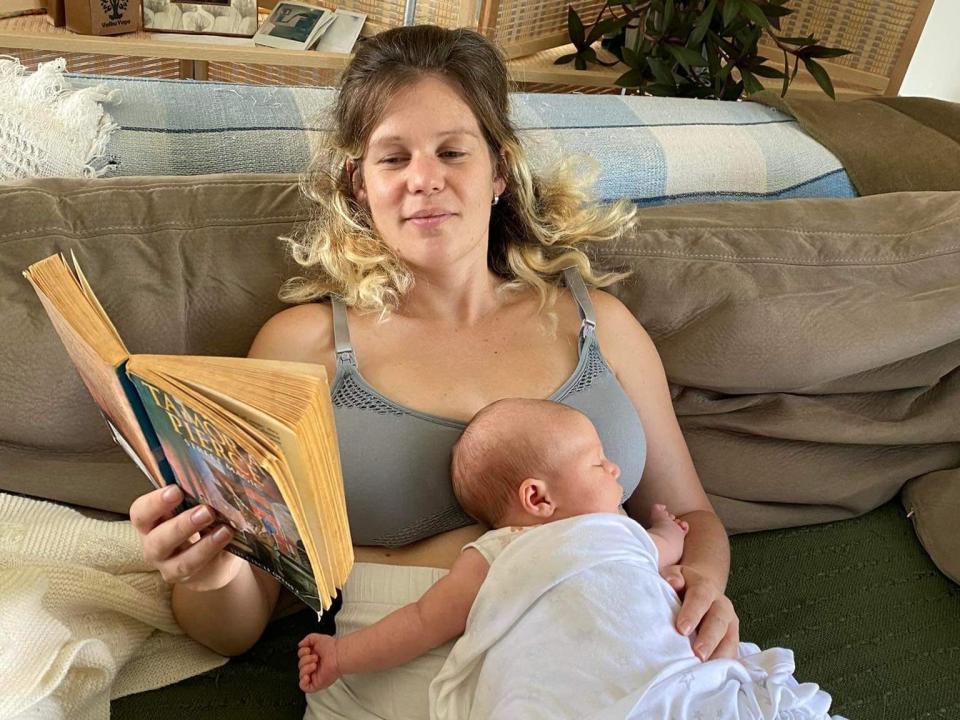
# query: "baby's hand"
{"type": "Point", "coordinates": [318, 662]}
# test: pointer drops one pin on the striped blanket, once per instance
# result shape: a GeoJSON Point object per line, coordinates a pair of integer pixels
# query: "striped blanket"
{"type": "Point", "coordinates": [651, 150]}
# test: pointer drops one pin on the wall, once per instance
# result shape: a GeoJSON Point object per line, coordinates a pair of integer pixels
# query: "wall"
{"type": "Point", "coordinates": [935, 68]}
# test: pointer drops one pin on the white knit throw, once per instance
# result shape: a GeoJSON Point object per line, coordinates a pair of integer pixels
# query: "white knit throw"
{"type": "Point", "coordinates": [47, 129]}
{"type": "Point", "coordinates": [83, 619]}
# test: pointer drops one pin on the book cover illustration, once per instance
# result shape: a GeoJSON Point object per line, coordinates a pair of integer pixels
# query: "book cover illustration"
{"type": "Point", "coordinates": [213, 469]}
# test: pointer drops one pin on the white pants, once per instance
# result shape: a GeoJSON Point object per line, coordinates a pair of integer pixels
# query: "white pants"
{"type": "Point", "coordinates": [373, 591]}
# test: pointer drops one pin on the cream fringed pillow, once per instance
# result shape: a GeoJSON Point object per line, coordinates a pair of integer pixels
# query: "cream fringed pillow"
{"type": "Point", "coordinates": [48, 129]}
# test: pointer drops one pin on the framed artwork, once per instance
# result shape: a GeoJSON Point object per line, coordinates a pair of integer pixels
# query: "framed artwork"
{"type": "Point", "coordinates": [233, 18]}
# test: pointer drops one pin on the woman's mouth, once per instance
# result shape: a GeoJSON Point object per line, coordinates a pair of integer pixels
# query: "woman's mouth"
{"type": "Point", "coordinates": [429, 221]}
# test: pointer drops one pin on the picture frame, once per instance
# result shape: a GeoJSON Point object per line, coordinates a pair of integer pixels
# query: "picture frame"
{"type": "Point", "coordinates": [230, 18]}
{"type": "Point", "coordinates": [294, 25]}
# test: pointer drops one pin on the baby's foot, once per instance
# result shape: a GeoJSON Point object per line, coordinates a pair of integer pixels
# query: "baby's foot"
{"type": "Point", "coordinates": [666, 522]}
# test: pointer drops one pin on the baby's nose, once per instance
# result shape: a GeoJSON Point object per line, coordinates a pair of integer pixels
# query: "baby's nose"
{"type": "Point", "coordinates": [613, 469]}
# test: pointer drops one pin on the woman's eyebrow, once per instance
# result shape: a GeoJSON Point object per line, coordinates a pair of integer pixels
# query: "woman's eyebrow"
{"type": "Point", "coordinates": [386, 140]}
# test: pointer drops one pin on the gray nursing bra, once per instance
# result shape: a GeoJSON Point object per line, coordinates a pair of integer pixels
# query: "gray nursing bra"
{"type": "Point", "coordinates": [396, 461]}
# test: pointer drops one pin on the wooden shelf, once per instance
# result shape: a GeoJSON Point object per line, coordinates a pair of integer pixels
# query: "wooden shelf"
{"type": "Point", "coordinates": [34, 32]}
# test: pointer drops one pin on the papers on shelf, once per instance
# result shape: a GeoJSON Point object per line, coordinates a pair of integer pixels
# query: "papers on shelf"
{"type": "Point", "coordinates": [343, 32]}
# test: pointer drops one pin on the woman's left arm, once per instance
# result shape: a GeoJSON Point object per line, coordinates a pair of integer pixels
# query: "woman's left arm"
{"type": "Point", "coordinates": [669, 477]}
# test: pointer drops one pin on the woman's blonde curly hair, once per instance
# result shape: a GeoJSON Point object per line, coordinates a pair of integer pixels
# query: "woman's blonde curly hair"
{"type": "Point", "coordinates": [536, 229]}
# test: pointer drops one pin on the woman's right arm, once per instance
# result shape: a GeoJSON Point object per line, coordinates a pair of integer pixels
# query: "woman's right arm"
{"type": "Point", "coordinates": [219, 599]}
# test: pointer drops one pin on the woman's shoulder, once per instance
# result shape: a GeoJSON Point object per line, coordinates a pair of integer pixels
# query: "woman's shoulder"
{"type": "Point", "coordinates": [302, 333]}
{"type": "Point", "coordinates": [621, 335]}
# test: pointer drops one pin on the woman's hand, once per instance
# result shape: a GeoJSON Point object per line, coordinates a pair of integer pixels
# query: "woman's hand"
{"type": "Point", "coordinates": [318, 662]}
{"type": "Point", "coordinates": [707, 609]}
{"type": "Point", "coordinates": [174, 545]}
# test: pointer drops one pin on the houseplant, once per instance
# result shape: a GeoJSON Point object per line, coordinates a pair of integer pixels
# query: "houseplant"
{"type": "Point", "coordinates": [696, 48]}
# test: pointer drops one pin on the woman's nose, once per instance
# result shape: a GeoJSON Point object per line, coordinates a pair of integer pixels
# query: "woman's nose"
{"type": "Point", "coordinates": [424, 174]}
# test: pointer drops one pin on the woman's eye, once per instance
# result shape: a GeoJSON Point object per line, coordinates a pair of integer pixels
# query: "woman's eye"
{"type": "Point", "coordinates": [392, 160]}
{"type": "Point", "coordinates": [452, 153]}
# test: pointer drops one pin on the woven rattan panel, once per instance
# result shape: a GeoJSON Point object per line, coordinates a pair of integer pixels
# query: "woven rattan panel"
{"type": "Point", "coordinates": [522, 22]}
{"type": "Point", "coordinates": [874, 30]}
{"type": "Point", "coordinates": [100, 64]}
{"type": "Point", "coordinates": [270, 74]}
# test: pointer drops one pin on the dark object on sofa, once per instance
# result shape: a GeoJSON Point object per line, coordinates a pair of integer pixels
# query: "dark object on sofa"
{"type": "Point", "coordinates": [813, 346]}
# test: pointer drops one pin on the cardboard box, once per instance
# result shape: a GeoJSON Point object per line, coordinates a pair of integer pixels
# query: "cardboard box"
{"type": "Point", "coordinates": [103, 17]}
{"type": "Point", "coordinates": [56, 13]}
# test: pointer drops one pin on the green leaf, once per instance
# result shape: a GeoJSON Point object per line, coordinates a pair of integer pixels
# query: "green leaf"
{"type": "Point", "coordinates": [579, 63]}
{"type": "Point", "coordinates": [702, 24]}
{"type": "Point", "coordinates": [662, 90]}
{"type": "Point", "coordinates": [753, 11]}
{"type": "Point", "coordinates": [766, 71]}
{"type": "Point", "coordinates": [819, 51]}
{"type": "Point", "coordinates": [750, 83]}
{"type": "Point", "coordinates": [731, 8]}
{"type": "Point", "coordinates": [686, 57]}
{"type": "Point", "coordinates": [564, 59]}
{"type": "Point", "coordinates": [631, 58]}
{"type": "Point", "coordinates": [771, 10]}
{"type": "Point", "coordinates": [575, 27]}
{"type": "Point", "coordinates": [661, 71]}
{"type": "Point", "coordinates": [604, 28]}
{"type": "Point", "coordinates": [820, 75]}
{"type": "Point", "coordinates": [667, 15]}
{"type": "Point", "coordinates": [589, 54]}
{"type": "Point", "coordinates": [808, 40]}
{"type": "Point", "coordinates": [631, 78]}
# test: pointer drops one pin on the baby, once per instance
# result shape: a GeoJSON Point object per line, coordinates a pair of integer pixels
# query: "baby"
{"type": "Point", "coordinates": [518, 465]}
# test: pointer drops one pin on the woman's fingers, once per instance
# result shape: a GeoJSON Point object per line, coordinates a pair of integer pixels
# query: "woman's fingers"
{"type": "Point", "coordinates": [729, 647]}
{"type": "Point", "coordinates": [719, 625]}
{"type": "Point", "coordinates": [152, 508]}
{"type": "Point", "coordinates": [201, 555]}
{"type": "Point", "coordinates": [697, 599]}
{"type": "Point", "coordinates": [169, 536]}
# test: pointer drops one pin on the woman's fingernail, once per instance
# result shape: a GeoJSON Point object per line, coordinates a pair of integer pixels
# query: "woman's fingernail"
{"type": "Point", "coordinates": [170, 494]}
{"type": "Point", "coordinates": [201, 515]}
{"type": "Point", "coordinates": [221, 534]}
{"type": "Point", "coordinates": [685, 628]}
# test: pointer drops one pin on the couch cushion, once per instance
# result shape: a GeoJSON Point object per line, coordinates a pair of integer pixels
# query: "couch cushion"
{"type": "Point", "coordinates": [652, 150]}
{"type": "Point", "coordinates": [181, 265]}
{"type": "Point", "coordinates": [812, 345]}
{"type": "Point", "coordinates": [813, 348]}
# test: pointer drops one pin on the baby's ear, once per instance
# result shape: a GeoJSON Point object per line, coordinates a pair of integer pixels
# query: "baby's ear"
{"type": "Point", "coordinates": [535, 498]}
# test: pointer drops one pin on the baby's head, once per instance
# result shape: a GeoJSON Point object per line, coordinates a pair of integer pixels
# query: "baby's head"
{"type": "Point", "coordinates": [525, 462]}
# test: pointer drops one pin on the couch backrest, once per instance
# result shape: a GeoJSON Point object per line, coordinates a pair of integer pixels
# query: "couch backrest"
{"type": "Point", "coordinates": [813, 345]}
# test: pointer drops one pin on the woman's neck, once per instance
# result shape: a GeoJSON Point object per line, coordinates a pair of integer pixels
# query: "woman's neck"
{"type": "Point", "coordinates": [458, 299]}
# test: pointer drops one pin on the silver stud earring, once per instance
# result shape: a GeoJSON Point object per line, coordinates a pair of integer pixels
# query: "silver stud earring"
{"type": "Point", "coordinates": [496, 199]}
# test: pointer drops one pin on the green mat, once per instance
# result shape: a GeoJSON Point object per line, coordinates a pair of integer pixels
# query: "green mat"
{"type": "Point", "coordinates": [867, 614]}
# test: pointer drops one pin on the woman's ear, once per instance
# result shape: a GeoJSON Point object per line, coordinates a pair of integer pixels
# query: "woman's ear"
{"type": "Point", "coordinates": [535, 498]}
{"type": "Point", "coordinates": [355, 178]}
{"type": "Point", "coordinates": [500, 174]}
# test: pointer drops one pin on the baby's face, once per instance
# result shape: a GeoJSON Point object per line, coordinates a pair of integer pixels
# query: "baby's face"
{"type": "Point", "coordinates": [585, 480]}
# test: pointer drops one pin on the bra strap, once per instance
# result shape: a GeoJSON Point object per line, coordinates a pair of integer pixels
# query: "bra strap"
{"type": "Point", "coordinates": [341, 333]}
{"type": "Point", "coordinates": [579, 290]}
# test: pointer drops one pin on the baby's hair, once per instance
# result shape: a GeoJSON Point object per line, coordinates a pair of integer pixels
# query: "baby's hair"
{"type": "Point", "coordinates": [502, 446]}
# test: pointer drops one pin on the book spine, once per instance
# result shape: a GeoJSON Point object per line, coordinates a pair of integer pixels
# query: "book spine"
{"type": "Point", "coordinates": [143, 418]}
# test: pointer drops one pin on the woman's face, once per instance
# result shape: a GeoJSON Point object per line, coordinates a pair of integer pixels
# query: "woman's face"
{"type": "Point", "coordinates": [428, 178]}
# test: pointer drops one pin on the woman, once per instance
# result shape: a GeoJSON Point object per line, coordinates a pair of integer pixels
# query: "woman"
{"type": "Point", "coordinates": [436, 266]}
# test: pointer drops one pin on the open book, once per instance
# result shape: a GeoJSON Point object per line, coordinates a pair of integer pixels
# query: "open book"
{"type": "Point", "coordinates": [253, 439]}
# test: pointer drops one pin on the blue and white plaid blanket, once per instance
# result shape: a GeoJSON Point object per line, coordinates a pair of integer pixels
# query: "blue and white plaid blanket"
{"type": "Point", "coordinates": [651, 150]}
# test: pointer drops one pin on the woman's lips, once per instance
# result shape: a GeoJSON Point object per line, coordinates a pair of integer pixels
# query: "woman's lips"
{"type": "Point", "coordinates": [429, 221]}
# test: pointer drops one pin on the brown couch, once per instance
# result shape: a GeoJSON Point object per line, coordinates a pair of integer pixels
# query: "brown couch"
{"type": "Point", "coordinates": [813, 346]}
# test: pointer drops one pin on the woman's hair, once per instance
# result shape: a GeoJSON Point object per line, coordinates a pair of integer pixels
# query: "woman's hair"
{"type": "Point", "coordinates": [505, 443]}
{"type": "Point", "coordinates": [535, 229]}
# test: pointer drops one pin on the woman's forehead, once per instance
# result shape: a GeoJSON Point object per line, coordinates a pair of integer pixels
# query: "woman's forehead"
{"type": "Point", "coordinates": [428, 107]}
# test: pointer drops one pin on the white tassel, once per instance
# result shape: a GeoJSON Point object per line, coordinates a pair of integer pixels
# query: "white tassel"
{"type": "Point", "coordinates": [47, 128]}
